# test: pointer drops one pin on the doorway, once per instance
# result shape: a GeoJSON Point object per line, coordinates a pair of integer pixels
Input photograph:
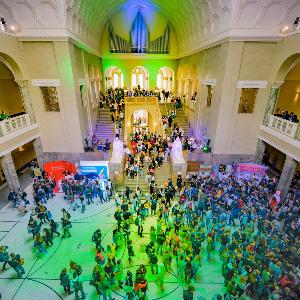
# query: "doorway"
{"type": "Point", "coordinates": [140, 120]}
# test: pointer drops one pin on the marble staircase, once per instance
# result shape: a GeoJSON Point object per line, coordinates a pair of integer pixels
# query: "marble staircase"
{"type": "Point", "coordinates": [180, 118]}
{"type": "Point", "coordinates": [105, 129]}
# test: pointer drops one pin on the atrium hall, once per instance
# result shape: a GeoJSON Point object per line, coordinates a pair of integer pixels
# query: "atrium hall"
{"type": "Point", "coordinates": [149, 149]}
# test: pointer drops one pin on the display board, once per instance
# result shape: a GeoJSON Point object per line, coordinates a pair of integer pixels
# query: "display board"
{"type": "Point", "coordinates": [94, 169]}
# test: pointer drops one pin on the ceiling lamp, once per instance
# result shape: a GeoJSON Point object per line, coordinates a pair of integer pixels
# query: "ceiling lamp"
{"type": "Point", "coordinates": [284, 29]}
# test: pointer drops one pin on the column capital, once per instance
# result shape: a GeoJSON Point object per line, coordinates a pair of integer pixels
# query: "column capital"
{"type": "Point", "coordinates": [22, 82]}
{"type": "Point", "coordinates": [290, 160]}
{"type": "Point", "coordinates": [277, 84]}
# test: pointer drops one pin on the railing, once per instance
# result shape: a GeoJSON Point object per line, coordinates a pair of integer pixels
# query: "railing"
{"type": "Point", "coordinates": [284, 126]}
{"type": "Point", "coordinates": [11, 125]}
{"type": "Point", "coordinates": [150, 99]}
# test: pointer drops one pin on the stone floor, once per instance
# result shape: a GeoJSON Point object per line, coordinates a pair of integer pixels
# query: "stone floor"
{"type": "Point", "coordinates": [41, 279]}
{"type": "Point", "coordinates": [25, 179]}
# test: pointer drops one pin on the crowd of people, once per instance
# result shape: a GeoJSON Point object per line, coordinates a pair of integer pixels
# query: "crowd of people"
{"type": "Point", "coordinates": [290, 116]}
{"type": "Point", "coordinates": [148, 152]}
{"type": "Point", "coordinates": [239, 220]}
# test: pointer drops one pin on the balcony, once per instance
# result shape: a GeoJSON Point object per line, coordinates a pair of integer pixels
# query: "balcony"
{"type": "Point", "coordinates": [14, 124]}
{"type": "Point", "coordinates": [288, 128]}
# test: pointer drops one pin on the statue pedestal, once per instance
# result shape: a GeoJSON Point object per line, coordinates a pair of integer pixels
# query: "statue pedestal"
{"type": "Point", "coordinates": [178, 163]}
{"type": "Point", "coordinates": [116, 163]}
{"type": "Point", "coordinates": [177, 167]}
{"type": "Point", "coordinates": [116, 172]}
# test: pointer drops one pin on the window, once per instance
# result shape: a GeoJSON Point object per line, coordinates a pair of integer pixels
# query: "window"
{"type": "Point", "coordinates": [116, 80]}
{"type": "Point", "coordinates": [134, 80]}
{"type": "Point", "coordinates": [49, 94]}
{"type": "Point", "coordinates": [139, 77]}
{"type": "Point", "coordinates": [165, 79]}
{"type": "Point", "coordinates": [141, 80]}
{"type": "Point", "coordinates": [158, 82]}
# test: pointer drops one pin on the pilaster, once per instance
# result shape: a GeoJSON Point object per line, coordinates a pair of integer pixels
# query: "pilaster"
{"type": "Point", "coordinates": [24, 90]}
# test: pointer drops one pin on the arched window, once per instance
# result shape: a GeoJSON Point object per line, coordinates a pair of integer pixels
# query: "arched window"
{"type": "Point", "coordinates": [114, 78]}
{"type": "Point", "coordinates": [140, 77]}
{"type": "Point", "coordinates": [165, 79]}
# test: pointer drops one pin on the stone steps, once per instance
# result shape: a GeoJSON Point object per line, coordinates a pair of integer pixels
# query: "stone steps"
{"type": "Point", "coordinates": [180, 118]}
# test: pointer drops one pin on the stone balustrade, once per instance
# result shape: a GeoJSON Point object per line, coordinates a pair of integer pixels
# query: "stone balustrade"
{"type": "Point", "coordinates": [151, 99]}
{"type": "Point", "coordinates": [284, 126]}
{"type": "Point", "coordinates": [11, 125]}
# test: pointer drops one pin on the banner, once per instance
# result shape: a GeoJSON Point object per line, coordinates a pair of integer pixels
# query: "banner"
{"type": "Point", "coordinates": [56, 170]}
{"type": "Point", "coordinates": [94, 169]}
{"type": "Point", "coordinates": [250, 168]}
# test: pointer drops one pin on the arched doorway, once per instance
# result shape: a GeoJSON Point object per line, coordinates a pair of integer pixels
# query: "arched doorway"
{"type": "Point", "coordinates": [11, 102]}
{"type": "Point", "coordinates": [288, 101]}
{"type": "Point", "coordinates": [140, 78]}
{"type": "Point", "coordinates": [283, 108]}
{"type": "Point", "coordinates": [114, 78]}
{"type": "Point", "coordinates": [165, 79]}
{"type": "Point", "coordinates": [140, 120]}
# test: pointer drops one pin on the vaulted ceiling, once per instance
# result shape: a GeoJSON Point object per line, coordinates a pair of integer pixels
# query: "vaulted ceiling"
{"type": "Point", "coordinates": [195, 22]}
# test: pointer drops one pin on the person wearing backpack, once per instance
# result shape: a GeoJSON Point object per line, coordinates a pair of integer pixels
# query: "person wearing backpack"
{"type": "Point", "coordinates": [77, 282]}
{"type": "Point", "coordinates": [4, 256]}
{"type": "Point", "coordinates": [139, 223]}
{"type": "Point", "coordinates": [153, 262]}
{"type": "Point", "coordinates": [160, 241]}
{"type": "Point", "coordinates": [16, 263]}
{"type": "Point", "coordinates": [188, 294]}
{"type": "Point", "coordinates": [53, 227]}
{"type": "Point", "coordinates": [66, 225]}
{"type": "Point", "coordinates": [65, 281]}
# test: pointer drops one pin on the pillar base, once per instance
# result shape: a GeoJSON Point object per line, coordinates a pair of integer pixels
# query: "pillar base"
{"type": "Point", "coordinates": [178, 168]}
{"type": "Point", "coordinates": [10, 172]}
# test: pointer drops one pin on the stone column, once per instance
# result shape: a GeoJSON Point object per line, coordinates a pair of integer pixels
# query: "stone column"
{"type": "Point", "coordinates": [10, 172]}
{"type": "Point", "coordinates": [38, 148]}
{"type": "Point", "coordinates": [260, 151]}
{"type": "Point", "coordinates": [286, 176]}
{"type": "Point", "coordinates": [298, 133]}
{"type": "Point", "coordinates": [24, 90]}
{"type": "Point", "coordinates": [272, 100]}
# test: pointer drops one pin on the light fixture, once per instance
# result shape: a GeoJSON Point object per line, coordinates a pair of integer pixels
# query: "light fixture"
{"type": "Point", "coordinates": [284, 29]}
{"type": "Point", "coordinates": [12, 28]}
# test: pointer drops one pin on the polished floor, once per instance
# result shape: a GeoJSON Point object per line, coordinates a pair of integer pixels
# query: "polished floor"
{"type": "Point", "coordinates": [41, 279]}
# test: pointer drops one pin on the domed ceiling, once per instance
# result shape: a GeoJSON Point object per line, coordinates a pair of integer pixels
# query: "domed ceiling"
{"type": "Point", "coordinates": [195, 22]}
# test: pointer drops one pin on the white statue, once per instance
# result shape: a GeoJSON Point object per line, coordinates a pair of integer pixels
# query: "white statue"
{"type": "Point", "coordinates": [176, 152]}
{"type": "Point", "coordinates": [118, 150]}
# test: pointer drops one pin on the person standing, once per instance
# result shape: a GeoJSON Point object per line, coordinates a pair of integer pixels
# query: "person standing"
{"type": "Point", "coordinates": [16, 263]}
{"type": "Point", "coordinates": [66, 225]}
{"type": "Point", "coordinates": [65, 281]}
{"type": "Point", "coordinates": [77, 282]}
{"type": "Point", "coordinates": [189, 293]}
{"type": "Point", "coordinates": [139, 224]}
{"type": "Point", "coordinates": [53, 227]}
{"type": "Point", "coordinates": [4, 256]}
